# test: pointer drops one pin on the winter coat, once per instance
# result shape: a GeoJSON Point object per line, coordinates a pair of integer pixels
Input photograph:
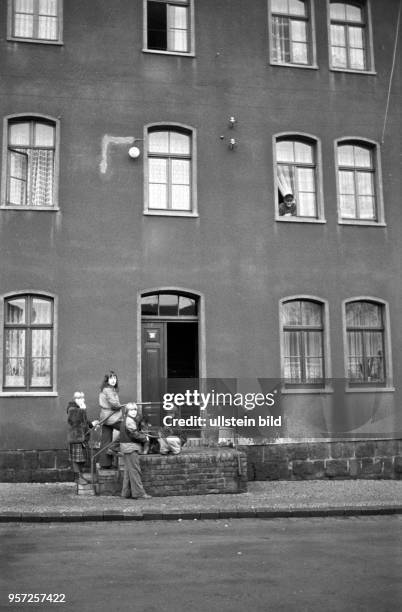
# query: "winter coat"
{"type": "Point", "coordinates": [109, 403]}
{"type": "Point", "coordinates": [78, 423]}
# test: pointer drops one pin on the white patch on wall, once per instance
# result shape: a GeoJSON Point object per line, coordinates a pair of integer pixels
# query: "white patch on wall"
{"type": "Point", "coordinates": [107, 141]}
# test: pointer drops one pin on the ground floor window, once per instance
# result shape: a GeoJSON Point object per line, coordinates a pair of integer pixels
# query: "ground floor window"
{"type": "Point", "coordinates": [28, 343]}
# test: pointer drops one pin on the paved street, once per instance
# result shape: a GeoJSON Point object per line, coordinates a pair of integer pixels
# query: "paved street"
{"type": "Point", "coordinates": [312, 564]}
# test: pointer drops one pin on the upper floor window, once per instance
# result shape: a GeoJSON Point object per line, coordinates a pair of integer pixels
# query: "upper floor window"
{"type": "Point", "coordinates": [365, 333]}
{"type": "Point", "coordinates": [170, 175]}
{"type": "Point", "coordinates": [28, 343]}
{"type": "Point", "coordinates": [358, 182]}
{"type": "Point", "coordinates": [291, 32]}
{"type": "Point", "coordinates": [35, 20]}
{"type": "Point", "coordinates": [168, 26]}
{"type": "Point", "coordinates": [296, 177]}
{"type": "Point", "coordinates": [349, 36]}
{"type": "Point", "coordinates": [30, 163]}
{"type": "Point", "coordinates": [302, 326]}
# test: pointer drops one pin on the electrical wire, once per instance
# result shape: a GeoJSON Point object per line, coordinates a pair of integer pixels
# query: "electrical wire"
{"type": "Point", "coordinates": [392, 72]}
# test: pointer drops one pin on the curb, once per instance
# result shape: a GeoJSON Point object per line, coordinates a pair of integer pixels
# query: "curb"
{"type": "Point", "coordinates": [172, 515]}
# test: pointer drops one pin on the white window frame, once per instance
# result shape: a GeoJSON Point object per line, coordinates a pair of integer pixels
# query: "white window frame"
{"type": "Point", "coordinates": [312, 50]}
{"type": "Point", "coordinates": [379, 200]}
{"type": "Point", "coordinates": [193, 176]}
{"type": "Point", "coordinates": [368, 34]}
{"type": "Point", "coordinates": [191, 26]}
{"type": "Point", "coordinates": [316, 144]}
{"type": "Point", "coordinates": [10, 27]}
{"type": "Point", "coordinates": [355, 387]}
{"type": "Point", "coordinates": [300, 388]}
{"type": "Point", "coordinates": [5, 169]}
{"type": "Point", "coordinates": [36, 392]}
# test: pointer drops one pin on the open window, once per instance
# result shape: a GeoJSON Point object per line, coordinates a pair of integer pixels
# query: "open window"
{"type": "Point", "coordinates": [298, 194]}
{"type": "Point", "coordinates": [168, 26]}
{"type": "Point", "coordinates": [31, 163]}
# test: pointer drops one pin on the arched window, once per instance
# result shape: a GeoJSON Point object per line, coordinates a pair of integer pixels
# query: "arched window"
{"type": "Point", "coordinates": [296, 177]}
{"type": "Point", "coordinates": [358, 181]}
{"type": "Point", "coordinates": [170, 173]}
{"type": "Point", "coordinates": [302, 328]}
{"type": "Point", "coordinates": [31, 163]}
{"type": "Point", "coordinates": [291, 32]}
{"type": "Point", "coordinates": [169, 305]}
{"type": "Point", "coordinates": [28, 343]}
{"type": "Point", "coordinates": [349, 32]}
{"type": "Point", "coordinates": [365, 333]}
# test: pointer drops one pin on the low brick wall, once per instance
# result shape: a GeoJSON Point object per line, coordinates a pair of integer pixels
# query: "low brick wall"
{"type": "Point", "coordinates": [193, 472]}
{"type": "Point", "coordinates": [316, 460]}
{"type": "Point", "coordinates": [35, 466]}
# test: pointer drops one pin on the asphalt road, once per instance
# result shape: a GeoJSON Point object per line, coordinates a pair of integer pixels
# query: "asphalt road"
{"type": "Point", "coordinates": [316, 564]}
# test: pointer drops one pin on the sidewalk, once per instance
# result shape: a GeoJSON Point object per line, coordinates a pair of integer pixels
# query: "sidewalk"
{"type": "Point", "coordinates": [59, 502]}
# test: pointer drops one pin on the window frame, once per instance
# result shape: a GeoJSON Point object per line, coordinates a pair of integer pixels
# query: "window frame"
{"type": "Point", "coordinates": [366, 387]}
{"type": "Point", "coordinates": [374, 148]}
{"type": "Point", "coordinates": [191, 26]}
{"type": "Point", "coordinates": [308, 388]}
{"type": "Point", "coordinates": [171, 212]}
{"type": "Point", "coordinates": [10, 26]}
{"type": "Point", "coordinates": [30, 117]}
{"type": "Point", "coordinates": [368, 39]}
{"type": "Point", "coordinates": [316, 144]}
{"type": "Point", "coordinates": [311, 40]}
{"type": "Point", "coordinates": [26, 391]}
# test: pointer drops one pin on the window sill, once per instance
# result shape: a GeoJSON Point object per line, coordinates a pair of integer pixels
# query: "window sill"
{"type": "Point", "coordinates": [307, 391]}
{"type": "Point", "coordinates": [29, 394]}
{"type": "Point", "coordinates": [160, 52]}
{"type": "Point", "coordinates": [289, 65]}
{"type": "Point", "coordinates": [292, 219]}
{"type": "Point", "coordinates": [170, 213]}
{"type": "Point", "coordinates": [369, 389]}
{"type": "Point", "coordinates": [351, 71]}
{"type": "Point", "coordinates": [35, 41]}
{"type": "Point", "coordinates": [361, 222]}
{"type": "Point", "coordinates": [33, 208]}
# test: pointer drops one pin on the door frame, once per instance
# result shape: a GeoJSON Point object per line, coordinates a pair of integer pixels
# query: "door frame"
{"type": "Point", "coordinates": [202, 371]}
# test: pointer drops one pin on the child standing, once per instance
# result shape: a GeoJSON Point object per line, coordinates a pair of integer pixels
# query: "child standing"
{"type": "Point", "coordinates": [132, 440]}
{"type": "Point", "coordinates": [77, 435]}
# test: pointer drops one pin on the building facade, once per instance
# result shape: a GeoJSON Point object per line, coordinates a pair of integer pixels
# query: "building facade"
{"type": "Point", "coordinates": [201, 188]}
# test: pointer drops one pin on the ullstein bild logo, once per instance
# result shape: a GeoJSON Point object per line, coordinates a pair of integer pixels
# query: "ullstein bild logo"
{"type": "Point", "coordinates": [220, 409]}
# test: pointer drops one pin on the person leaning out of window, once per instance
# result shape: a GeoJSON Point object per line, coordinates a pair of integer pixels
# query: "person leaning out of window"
{"type": "Point", "coordinates": [287, 208]}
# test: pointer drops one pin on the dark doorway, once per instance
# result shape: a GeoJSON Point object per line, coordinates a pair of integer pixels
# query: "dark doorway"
{"type": "Point", "coordinates": [182, 350]}
{"type": "Point", "coordinates": [170, 353]}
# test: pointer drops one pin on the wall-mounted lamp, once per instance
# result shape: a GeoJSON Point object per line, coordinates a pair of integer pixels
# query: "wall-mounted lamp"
{"type": "Point", "coordinates": [232, 144]}
{"type": "Point", "coordinates": [232, 121]}
{"type": "Point", "coordinates": [134, 152]}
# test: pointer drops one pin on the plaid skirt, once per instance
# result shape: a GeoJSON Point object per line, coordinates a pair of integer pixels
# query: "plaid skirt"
{"type": "Point", "coordinates": [78, 452]}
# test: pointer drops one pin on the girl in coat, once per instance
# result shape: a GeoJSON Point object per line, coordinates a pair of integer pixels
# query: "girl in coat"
{"type": "Point", "coordinates": [78, 431]}
{"type": "Point", "coordinates": [110, 410]}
